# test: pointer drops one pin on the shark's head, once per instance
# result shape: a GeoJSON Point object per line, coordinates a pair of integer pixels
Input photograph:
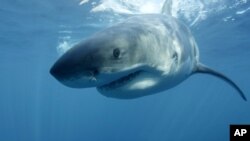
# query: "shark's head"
{"type": "Point", "coordinates": [107, 60]}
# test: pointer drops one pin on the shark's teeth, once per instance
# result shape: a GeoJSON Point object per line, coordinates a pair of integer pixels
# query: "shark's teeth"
{"type": "Point", "coordinates": [120, 82]}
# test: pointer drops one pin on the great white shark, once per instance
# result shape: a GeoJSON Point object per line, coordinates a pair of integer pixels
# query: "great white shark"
{"type": "Point", "coordinates": [143, 55]}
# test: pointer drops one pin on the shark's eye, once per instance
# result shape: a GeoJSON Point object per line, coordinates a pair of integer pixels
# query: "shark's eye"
{"type": "Point", "coordinates": [116, 53]}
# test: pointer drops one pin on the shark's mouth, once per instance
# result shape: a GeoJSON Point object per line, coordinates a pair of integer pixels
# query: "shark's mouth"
{"type": "Point", "coordinates": [120, 82]}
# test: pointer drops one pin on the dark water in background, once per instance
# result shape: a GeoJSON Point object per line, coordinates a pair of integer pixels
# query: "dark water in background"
{"type": "Point", "coordinates": [35, 107]}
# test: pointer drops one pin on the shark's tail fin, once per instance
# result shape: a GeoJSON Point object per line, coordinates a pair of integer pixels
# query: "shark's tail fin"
{"type": "Point", "coordinates": [204, 69]}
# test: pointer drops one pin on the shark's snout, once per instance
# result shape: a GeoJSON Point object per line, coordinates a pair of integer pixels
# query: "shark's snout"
{"type": "Point", "coordinates": [60, 71]}
{"type": "Point", "coordinates": [54, 71]}
{"type": "Point", "coordinates": [74, 73]}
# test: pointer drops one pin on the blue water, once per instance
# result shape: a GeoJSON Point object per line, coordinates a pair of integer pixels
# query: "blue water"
{"type": "Point", "coordinates": [35, 107]}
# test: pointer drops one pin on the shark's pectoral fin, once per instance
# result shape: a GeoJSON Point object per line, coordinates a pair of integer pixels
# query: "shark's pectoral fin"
{"type": "Point", "coordinates": [204, 69]}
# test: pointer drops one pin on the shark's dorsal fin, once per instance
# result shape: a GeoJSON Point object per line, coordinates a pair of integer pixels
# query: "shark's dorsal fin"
{"type": "Point", "coordinates": [204, 69]}
{"type": "Point", "coordinates": [167, 7]}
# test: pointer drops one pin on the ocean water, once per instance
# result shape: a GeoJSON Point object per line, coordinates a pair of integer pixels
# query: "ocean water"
{"type": "Point", "coordinates": [35, 107]}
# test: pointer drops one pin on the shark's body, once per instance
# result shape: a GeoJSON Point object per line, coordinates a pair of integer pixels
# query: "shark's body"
{"type": "Point", "coordinates": [144, 55]}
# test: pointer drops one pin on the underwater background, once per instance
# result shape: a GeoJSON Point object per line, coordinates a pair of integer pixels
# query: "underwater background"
{"type": "Point", "coordinates": [35, 107]}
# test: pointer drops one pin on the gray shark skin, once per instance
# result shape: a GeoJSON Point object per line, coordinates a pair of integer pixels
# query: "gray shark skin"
{"type": "Point", "coordinates": [144, 55]}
